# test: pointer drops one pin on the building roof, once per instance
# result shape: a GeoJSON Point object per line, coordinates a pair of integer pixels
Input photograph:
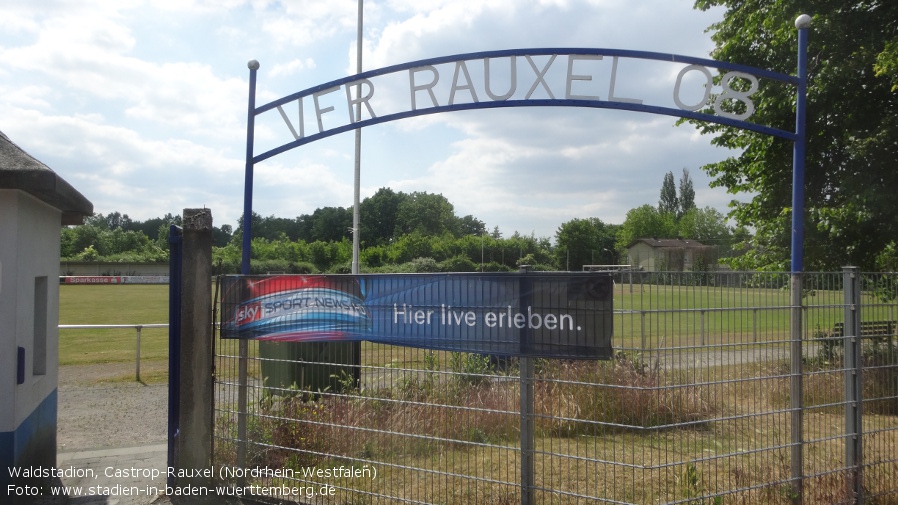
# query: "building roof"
{"type": "Point", "coordinates": [667, 242]}
{"type": "Point", "coordinates": [19, 170]}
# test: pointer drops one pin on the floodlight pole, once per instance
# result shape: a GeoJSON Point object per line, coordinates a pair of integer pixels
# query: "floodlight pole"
{"type": "Point", "coordinates": [356, 239]}
{"type": "Point", "coordinates": [797, 263]}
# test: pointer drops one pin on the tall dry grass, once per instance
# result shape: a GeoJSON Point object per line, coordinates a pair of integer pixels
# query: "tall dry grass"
{"type": "Point", "coordinates": [428, 410]}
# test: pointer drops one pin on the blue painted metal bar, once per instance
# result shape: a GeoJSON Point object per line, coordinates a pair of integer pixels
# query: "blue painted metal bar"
{"type": "Point", "coordinates": [174, 342]}
{"type": "Point", "coordinates": [253, 66]}
{"type": "Point", "coordinates": [798, 154]}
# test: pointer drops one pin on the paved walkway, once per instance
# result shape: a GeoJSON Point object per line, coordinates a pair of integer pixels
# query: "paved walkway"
{"type": "Point", "coordinates": [111, 440]}
{"type": "Point", "coordinates": [125, 475]}
{"type": "Point", "coordinates": [119, 476]}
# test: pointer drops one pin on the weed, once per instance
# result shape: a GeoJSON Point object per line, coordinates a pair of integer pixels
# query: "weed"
{"type": "Point", "coordinates": [690, 481]}
{"type": "Point", "coordinates": [470, 369]}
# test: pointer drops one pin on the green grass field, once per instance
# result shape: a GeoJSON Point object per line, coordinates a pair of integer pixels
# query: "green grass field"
{"type": "Point", "coordinates": [119, 304]}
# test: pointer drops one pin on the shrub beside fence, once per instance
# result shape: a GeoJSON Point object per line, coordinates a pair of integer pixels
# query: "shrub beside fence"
{"type": "Point", "coordinates": [694, 407]}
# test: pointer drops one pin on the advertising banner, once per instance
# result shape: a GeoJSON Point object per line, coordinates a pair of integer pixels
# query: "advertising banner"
{"type": "Point", "coordinates": [113, 279]}
{"type": "Point", "coordinates": [560, 315]}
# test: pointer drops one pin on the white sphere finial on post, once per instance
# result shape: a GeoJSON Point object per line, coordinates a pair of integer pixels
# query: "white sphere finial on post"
{"type": "Point", "coordinates": [252, 65]}
{"type": "Point", "coordinates": [803, 21]}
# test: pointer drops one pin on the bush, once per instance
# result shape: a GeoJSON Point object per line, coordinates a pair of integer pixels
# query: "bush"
{"type": "Point", "coordinates": [423, 265]}
{"type": "Point", "coordinates": [263, 267]}
{"type": "Point", "coordinates": [457, 264]}
{"type": "Point", "coordinates": [493, 266]}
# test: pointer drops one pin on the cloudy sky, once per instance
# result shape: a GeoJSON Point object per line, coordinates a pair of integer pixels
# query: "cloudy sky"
{"type": "Point", "coordinates": [141, 105]}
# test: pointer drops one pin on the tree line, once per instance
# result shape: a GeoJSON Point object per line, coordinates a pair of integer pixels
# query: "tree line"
{"type": "Point", "coordinates": [405, 232]}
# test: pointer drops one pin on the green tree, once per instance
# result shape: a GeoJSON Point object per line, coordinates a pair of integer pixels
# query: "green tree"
{"type": "Point", "coordinates": [237, 236]}
{"type": "Point", "coordinates": [221, 236]}
{"type": "Point", "coordinates": [116, 220]}
{"type": "Point", "coordinates": [705, 225]}
{"type": "Point", "coordinates": [887, 63]}
{"type": "Point", "coordinates": [378, 214]}
{"type": "Point", "coordinates": [646, 222]}
{"type": "Point", "coordinates": [852, 129]}
{"type": "Point", "coordinates": [151, 227]}
{"type": "Point", "coordinates": [584, 242]}
{"type": "Point", "coordinates": [97, 221]}
{"type": "Point", "coordinates": [410, 246]}
{"type": "Point", "coordinates": [470, 225]}
{"type": "Point", "coordinates": [687, 195]}
{"type": "Point", "coordinates": [427, 214]}
{"type": "Point", "coordinates": [105, 238]}
{"type": "Point", "coordinates": [669, 203]}
{"type": "Point", "coordinates": [332, 224]}
{"type": "Point", "coordinates": [76, 239]}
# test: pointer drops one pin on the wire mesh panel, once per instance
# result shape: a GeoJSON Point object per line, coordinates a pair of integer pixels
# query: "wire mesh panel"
{"type": "Point", "coordinates": [694, 406]}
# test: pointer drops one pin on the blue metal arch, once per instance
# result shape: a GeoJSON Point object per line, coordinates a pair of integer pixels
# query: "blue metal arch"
{"type": "Point", "coordinates": [797, 137]}
{"type": "Point", "coordinates": [598, 104]}
{"type": "Point", "coordinates": [546, 51]}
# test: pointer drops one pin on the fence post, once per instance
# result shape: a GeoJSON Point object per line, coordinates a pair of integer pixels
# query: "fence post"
{"type": "Point", "coordinates": [137, 371]}
{"type": "Point", "coordinates": [526, 384]}
{"type": "Point", "coordinates": [242, 405]}
{"type": "Point", "coordinates": [175, 245]}
{"type": "Point", "coordinates": [796, 390]}
{"type": "Point", "coordinates": [194, 444]}
{"type": "Point", "coordinates": [853, 386]}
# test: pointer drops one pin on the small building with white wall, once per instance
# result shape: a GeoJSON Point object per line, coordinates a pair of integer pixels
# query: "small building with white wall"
{"type": "Point", "coordinates": [34, 204]}
{"type": "Point", "coordinates": [671, 255]}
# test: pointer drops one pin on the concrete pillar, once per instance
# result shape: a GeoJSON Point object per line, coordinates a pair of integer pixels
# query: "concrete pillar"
{"type": "Point", "coordinates": [194, 445]}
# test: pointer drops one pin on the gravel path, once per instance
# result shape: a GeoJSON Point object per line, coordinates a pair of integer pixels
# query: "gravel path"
{"type": "Point", "coordinates": [94, 414]}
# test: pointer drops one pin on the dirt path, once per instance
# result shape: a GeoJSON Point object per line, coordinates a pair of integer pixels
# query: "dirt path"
{"type": "Point", "coordinates": [99, 410]}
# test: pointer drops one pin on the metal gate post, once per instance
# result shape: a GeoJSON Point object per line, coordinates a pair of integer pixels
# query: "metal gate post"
{"type": "Point", "coordinates": [802, 23]}
{"type": "Point", "coordinates": [853, 385]}
{"type": "Point", "coordinates": [527, 446]}
{"type": "Point", "coordinates": [526, 407]}
{"type": "Point", "coordinates": [242, 405]}
{"type": "Point", "coordinates": [174, 342]}
{"type": "Point", "coordinates": [245, 263]}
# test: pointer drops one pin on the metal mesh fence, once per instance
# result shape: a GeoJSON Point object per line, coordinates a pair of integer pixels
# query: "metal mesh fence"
{"type": "Point", "coordinates": [695, 406]}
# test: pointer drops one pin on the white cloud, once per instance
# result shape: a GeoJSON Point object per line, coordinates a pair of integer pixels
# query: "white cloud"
{"type": "Point", "coordinates": [305, 22]}
{"type": "Point", "coordinates": [292, 67]}
{"type": "Point", "coordinates": [142, 105]}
